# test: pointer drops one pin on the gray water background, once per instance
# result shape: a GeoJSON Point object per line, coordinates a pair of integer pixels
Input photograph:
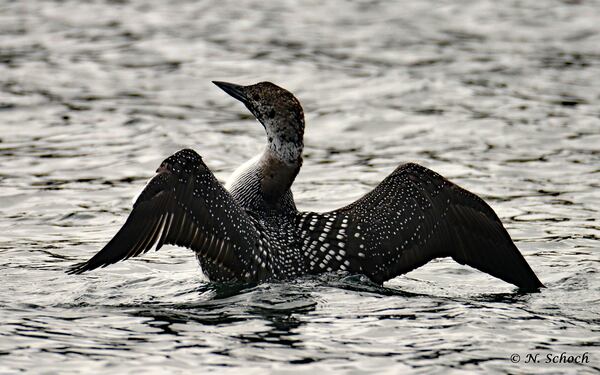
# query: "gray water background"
{"type": "Point", "coordinates": [503, 98]}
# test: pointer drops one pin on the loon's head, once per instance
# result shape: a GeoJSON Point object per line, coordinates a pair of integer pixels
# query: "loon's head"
{"type": "Point", "coordinates": [278, 111]}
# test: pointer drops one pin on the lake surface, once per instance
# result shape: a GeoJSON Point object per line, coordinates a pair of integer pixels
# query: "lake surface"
{"type": "Point", "coordinates": [503, 98]}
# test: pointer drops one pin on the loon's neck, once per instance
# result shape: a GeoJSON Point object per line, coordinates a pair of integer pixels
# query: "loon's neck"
{"type": "Point", "coordinates": [279, 165]}
{"type": "Point", "coordinates": [263, 182]}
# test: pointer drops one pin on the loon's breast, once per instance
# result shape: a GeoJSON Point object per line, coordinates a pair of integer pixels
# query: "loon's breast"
{"type": "Point", "coordinates": [244, 185]}
{"type": "Point", "coordinates": [239, 175]}
{"type": "Point", "coordinates": [247, 186]}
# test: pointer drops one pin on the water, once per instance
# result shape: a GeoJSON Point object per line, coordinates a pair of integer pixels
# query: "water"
{"type": "Point", "coordinates": [501, 97]}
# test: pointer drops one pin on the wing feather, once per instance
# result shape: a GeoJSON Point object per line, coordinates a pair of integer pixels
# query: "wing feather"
{"type": "Point", "coordinates": [416, 215]}
{"type": "Point", "coordinates": [184, 205]}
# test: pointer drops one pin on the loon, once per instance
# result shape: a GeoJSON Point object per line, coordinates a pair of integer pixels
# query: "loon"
{"type": "Point", "coordinates": [252, 231]}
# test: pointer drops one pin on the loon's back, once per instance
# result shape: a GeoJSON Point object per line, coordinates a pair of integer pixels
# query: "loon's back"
{"type": "Point", "coordinates": [275, 221]}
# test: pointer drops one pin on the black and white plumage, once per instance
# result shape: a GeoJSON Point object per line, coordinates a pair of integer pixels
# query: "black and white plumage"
{"type": "Point", "coordinates": [253, 232]}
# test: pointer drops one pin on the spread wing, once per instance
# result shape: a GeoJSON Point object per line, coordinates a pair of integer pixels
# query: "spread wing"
{"type": "Point", "coordinates": [184, 205]}
{"type": "Point", "coordinates": [416, 215]}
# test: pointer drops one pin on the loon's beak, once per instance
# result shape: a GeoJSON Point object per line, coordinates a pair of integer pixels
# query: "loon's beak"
{"type": "Point", "coordinates": [234, 90]}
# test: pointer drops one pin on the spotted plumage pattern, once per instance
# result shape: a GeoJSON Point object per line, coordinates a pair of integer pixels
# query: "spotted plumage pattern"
{"type": "Point", "coordinates": [415, 215]}
{"type": "Point", "coordinates": [253, 232]}
{"type": "Point", "coordinates": [323, 240]}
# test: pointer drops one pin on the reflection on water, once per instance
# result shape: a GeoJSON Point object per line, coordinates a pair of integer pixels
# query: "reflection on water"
{"type": "Point", "coordinates": [502, 98]}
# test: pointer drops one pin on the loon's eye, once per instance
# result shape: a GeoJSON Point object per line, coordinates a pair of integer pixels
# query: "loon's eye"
{"type": "Point", "coordinates": [271, 113]}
